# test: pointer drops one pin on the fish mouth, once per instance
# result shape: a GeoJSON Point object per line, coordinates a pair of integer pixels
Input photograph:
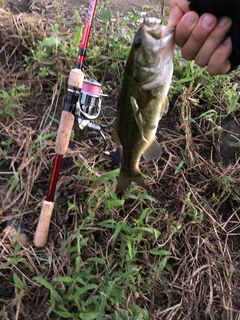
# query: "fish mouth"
{"type": "Point", "coordinates": [153, 27]}
{"type": "Point", "coordinates": [151, 20]}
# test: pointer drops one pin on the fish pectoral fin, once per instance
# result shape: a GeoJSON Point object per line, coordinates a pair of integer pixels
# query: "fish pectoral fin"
{"type": "Point", "coordinates": [165, 106]}
{"type": "Point", "coordinates": [115, 137]}
{"type": "Point", "coordinates": [125, 180]}
{"type": "Point", "coordinates": [138, 117]}
{"type": "Point", "coordinates": [154, 151]}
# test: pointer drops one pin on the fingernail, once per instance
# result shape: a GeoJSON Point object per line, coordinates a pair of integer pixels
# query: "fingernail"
{"type": "Point", "coordinates": [207, 21]}
{"type": "Point", "coordinates": [223, 21]}
{"type": "Point", "coordinates": [190, 19]}
{"type": "Point", "coordinates": [227, 40]}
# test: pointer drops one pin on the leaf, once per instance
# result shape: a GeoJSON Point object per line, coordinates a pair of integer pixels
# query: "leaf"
{"type": "Point", "coordinates": [4, 94]}
{"type": "Point", "coordinates": [145, 196]}
{"type": "Point", "coordinates": [162, 265]}
{"type": "Point", "coordinates": [88, 316]}
{"type": "Point", "coordinates": [65, 314]}
{"type": "Point", "coordinates": [78, 35]}
{"type": "Point", "coordinates": [80, 280]}
{"type": "Point", "coordinates": [63, 279]}
{"type": "Point", "coordinates": [130, 249]}
{"type": "Point", "coordinates": [85, 289]}
{"type": "Point", "coordinates": [161, 252]}
{"type": "Point", "coordinates": [13, 260]}
{"type": "Point", "coordinates": [44, 283]}
{"type": "Point", "coordinates": [107, 176]}
{"type": "Point", "coordinates": [115, 203]}
{"type": "Point", "coordinates": [179, 166]}
{"type": "Point", "coordinates": [149, 230]}
{"type": "Point", "coordinates": [105, 16]}
{"type": "Point", "coordinates": [17, 281]}
{"type": "Point", "coordinates": [167, 11]}
{"type": "Point", "coordinates": [110, 223]}
{"type": "Point", "coordinates": [187, 79]}
{"type": "Point", "coordinates": [121, 314]}
{"type": "Point", "coordinates": [98, 260]}
{"type": "Point", "coordinates": [233, 143]}
{"type": "Point", "coordinates": [45, 137]}
{"type": "Point", "coordinates": [56, 297]}
{"type": "Point", "coordinates": [119, 227]}
{"type": "Point", "coordinates": [73, 206]}
{"type": "Point", "coordinates": [136, 14]}
{"type": "Point", "coordinates": [143, 216]}
{"type": "Point", "coordinates": [6, 142]}
{"type": "Point", "coordinates": [50, 42]}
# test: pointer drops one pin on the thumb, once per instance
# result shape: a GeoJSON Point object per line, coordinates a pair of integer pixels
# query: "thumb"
{"type": "Point", "coordinates": [177, 9]}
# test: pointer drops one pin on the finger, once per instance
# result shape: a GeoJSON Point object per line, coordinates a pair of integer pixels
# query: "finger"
{"type": "Point", "coordinates": [177, 10]}
{"type": "Point", "coordinates": [185, 27]}
{"type": "Point", "coordinates": [206, 23]}
{"type": "Point", "coordinates": [219, 62]}
{"type": "Point", "coordinates": [174, 16]}
{"type": "Point", "coordinates": [214, 40]}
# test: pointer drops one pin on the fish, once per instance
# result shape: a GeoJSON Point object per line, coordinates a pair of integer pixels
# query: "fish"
{"type": "Point", "coordinates": [143, 99]}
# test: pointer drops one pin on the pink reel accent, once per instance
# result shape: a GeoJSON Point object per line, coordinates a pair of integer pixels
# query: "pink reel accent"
{"type": "Point", "coordinates": [92, 88]}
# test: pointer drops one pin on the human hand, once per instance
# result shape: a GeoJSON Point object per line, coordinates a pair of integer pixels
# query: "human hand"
{"type": "Point", "coordinates": [203, 39]}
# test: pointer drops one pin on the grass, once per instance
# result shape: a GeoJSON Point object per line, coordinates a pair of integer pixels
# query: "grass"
{"type": "Point", "coordinates": [172, 253]}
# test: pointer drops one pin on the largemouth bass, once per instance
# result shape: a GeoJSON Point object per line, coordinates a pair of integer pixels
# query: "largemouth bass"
{"type": "Point", "coordinates": [143, 98]}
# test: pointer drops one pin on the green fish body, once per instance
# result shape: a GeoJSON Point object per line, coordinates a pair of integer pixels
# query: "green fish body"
{"type": "Point", "coordinates": [143, 98]}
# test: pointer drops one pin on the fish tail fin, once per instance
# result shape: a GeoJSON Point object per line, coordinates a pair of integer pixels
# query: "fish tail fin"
{"type": "Point", "coordinates": [124, 181]}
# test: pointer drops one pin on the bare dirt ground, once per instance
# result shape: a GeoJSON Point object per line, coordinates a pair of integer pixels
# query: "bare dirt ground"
{"type": "Point", "coordinates": [203, 283]}
{"type": "Point", "coordinates": [71, 5]}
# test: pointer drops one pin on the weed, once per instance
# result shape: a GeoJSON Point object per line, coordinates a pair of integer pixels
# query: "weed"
{"type": "Point", "coordinates": [12, 101]}
{"type": "Point", "coordinates": [170, 253]}
{"type": "Point", "coordinates": [6, 148]}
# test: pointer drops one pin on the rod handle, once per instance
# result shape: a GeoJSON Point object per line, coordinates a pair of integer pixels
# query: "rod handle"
{"type": "Point", "coordinates": [41, 234]}
{"type": "Point", "coordinates": [76, 77]}
{"type": "Point", "coordinates": [64, 132]}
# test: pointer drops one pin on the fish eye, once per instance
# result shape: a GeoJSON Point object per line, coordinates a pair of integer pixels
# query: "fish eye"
{"type": "Point", "coordinates": [137, 40]}
{"type": "Point", "coordinates": [138, 43]}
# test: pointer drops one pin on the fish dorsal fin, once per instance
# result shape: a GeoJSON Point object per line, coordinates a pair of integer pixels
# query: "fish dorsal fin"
{"type": "Point", "coordinates": [154, 151]}
{"type": "Point", "coordinates": [138, 117]}
{"type": "Point", "coordinates": [115, 137]}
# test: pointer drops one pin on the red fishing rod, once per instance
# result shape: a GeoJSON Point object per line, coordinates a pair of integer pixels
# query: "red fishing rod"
{"type": "Point", "coordinates": [75, 82]}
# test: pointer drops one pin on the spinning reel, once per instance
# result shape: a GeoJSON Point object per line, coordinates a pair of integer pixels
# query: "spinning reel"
{"type": "Point", "coordinates": [88, 108]}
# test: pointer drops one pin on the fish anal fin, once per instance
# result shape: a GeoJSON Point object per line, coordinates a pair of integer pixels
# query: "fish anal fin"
{"type": "Point", "coordinates": [125, 180]}
{"type": "Point", "coordinates": [154, 151]}
{"type": "Point", "coordinates": [138, 117]}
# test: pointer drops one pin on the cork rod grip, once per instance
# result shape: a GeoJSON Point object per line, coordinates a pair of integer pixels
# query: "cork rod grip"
{"type": "Point", "coordinates": [76, 77]}
{"type": "Point", "coordinates": [64, 132]}
{"type": "Point", "coordinates": [41, 234]}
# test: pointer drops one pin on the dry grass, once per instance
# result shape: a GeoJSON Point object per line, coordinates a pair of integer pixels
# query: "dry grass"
{"type": "Point", "coordinates": [196, 208]}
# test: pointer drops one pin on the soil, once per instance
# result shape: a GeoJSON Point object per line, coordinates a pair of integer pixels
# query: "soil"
{"type": "Point", "coordinates": [199, 220]}
{"type": "Point", "coordinates": [123, 6]}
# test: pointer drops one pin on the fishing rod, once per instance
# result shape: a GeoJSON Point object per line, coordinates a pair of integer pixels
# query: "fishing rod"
{"type": "Point", "coordinates": [74, 87]}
